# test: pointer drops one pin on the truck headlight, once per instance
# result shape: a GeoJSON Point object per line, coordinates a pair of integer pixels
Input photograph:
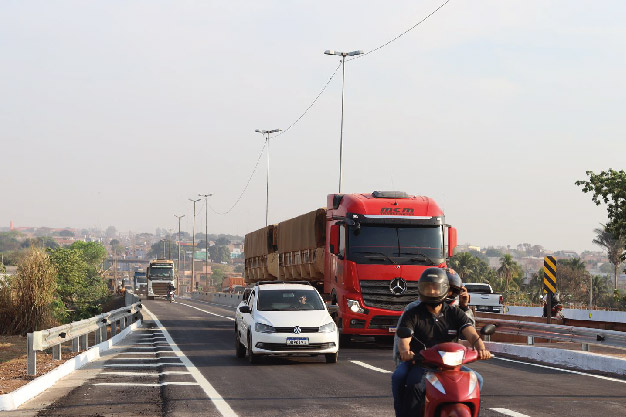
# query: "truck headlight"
{"type": "Point", "coordinates": [354, 306]}
{"type": "Point", "coordinates": [328, 327]}
{"type": "Point", "coordinates": [264, 328]}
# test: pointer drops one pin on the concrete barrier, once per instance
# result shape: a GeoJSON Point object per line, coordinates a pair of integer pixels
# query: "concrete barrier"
{"type": "Point", "coordinates": [226, 299]}
{"type": "Point", "coordinates": [593, 315]}
{"type": "Point", "coordinates": [568, 358]}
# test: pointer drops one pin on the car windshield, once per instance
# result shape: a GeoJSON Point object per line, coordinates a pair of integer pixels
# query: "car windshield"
{"type": "Point", "coordinates": [402, 245]}
{"type": "Point", "coordinates": [289, 300]}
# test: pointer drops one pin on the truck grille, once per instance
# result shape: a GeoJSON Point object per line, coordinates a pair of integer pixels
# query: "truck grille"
{"type": "Point", "coordinates": [383, 322]}
{"type": "Point", "coordinates": [159, 288]}
{"type": "Point", "coordinates": [376, 293]}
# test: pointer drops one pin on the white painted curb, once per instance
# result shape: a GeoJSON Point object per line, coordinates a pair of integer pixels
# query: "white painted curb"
{"type": "Point", "coordinates": [38, 385]}
{"type": "Point", "coordinates": [570, 358]}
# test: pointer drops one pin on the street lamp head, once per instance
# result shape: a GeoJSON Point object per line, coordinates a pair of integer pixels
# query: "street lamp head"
{"type": "Point", "coordinates": [258, 131]}
{"type": "Point", "coordinates": [329, 52]}
{"type": "Point", "coordinates": [193, 201]}
{"type": "Point", "coordinates": [205, 195]}
{"type": "Point", "coordinates": [353, 53]}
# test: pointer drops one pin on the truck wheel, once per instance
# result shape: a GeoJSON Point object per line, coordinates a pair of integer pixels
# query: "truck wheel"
{"type": "Point", "coordinates": [252, 357]}
{"type": "Point", "coordinates": [331, 357]}
{"type": "Point", "coordinates": [240, 349]}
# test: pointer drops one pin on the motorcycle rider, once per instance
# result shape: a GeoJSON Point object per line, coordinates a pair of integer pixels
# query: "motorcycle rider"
{"type": "Point", "coordinates": [170, 291]}
{"type": "Point", "coordinates": [433, 321]}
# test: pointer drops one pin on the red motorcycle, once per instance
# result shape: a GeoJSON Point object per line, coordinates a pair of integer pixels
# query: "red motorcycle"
{"type": "Point", "coordinates": [450, 392]}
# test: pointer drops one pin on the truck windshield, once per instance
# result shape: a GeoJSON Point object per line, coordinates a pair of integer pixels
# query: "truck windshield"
{"type": "Point", "coordinates": [289, 300]}
{"type": "Point", "coordinates": [402, 245]}
{"type": "Point", "coordinates": [164, 272]}
{"type": "Point", "coordinates": [141, 280]}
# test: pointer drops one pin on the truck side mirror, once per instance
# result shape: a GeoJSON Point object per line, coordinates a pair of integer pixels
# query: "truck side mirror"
{"type": "Point", "coordinates": [334, 239]}
{"type": "Point", "coordinates": [451, 241]}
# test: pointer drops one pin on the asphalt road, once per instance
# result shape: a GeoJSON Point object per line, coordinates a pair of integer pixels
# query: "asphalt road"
{"type": "Point", "coordinates": [183, 364]}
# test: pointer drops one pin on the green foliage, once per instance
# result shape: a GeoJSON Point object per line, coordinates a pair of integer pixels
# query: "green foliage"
{"type": "Point", "coordinates": [609, 187]}
{"type": "Point", "coordinates": [219, 253]}
{"type": "Point", "coordinates": [80, 287]}
{"type": "Point", "coordinates": [615, 247]}
{"type": "Point", "coordinates": [239, 269]}
{"type": "Point", "coordinates": [217, 275]}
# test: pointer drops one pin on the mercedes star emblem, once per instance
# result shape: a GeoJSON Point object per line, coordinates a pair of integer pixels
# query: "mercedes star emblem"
{"type": "Point", "coordinates": [297, 330]}
{"type": "Point", "coordinates": [397, 286]}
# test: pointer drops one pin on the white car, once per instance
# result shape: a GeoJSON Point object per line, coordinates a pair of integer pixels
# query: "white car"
{"type": "Point", "coordinates": [283, 318]}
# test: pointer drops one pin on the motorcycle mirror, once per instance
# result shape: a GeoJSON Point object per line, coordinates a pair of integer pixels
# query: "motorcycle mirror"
{"type": "Point", "coordinates": [404, 332]}
{"type": "Point", "coordinates": [488, 329]}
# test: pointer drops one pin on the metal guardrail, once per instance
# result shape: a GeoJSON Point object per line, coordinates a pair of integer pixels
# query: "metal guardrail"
{"type": "Point", "coordinates": [583, 335]}
{"type": "Point", "coordinates": [78, 333]}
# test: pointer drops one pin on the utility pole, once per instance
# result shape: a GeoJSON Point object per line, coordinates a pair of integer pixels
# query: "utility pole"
{"type": "Point", "coordinates": [343, 83]}
{"type": "Point", "coordinates": [193, 243]}
{"type": "Point", "coordinates": [266, 134]}
{"type": "Point", "coordinates": [206, 235]}
{"type": "Point", "coordinates": [178, 265]}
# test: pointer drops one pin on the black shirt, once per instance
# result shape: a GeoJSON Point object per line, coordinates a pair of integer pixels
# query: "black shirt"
{"type": "Point", "coordinates": [431, 329]}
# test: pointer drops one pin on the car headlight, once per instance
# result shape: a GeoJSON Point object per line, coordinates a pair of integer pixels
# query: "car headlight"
{"type": "Point", "coordinates": [263, 328]}
{"type": "Point", "coordinates": [452, 358]}
{"type": "Point", "coordinates": [354, 306]}
{"type": "Point", "coordinates": [328, 327]}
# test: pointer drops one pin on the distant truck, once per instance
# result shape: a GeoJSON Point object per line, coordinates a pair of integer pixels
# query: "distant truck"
{"type": "Point", "coordinates": [363, 252]}
{"type": "Point", "coordinates": [160, 275]}
{"type": "Point", "coordinates": [140, 283]}
{"type": "Point", "coordinates": [230, 283]}
{"type": "Point", "coordinates": [482, 298]}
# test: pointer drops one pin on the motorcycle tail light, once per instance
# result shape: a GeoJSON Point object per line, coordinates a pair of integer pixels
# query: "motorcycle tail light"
{"type": "Point", "coordinates": [452, 358]}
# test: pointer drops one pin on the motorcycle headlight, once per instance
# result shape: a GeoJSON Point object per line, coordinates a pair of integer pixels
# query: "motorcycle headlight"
{"type": "Point", "coordinates": [434, 381]}
{"type": "Point", "coordinates": [354, 306]}
{"type": "Point", "coordinates": [328, 327]}
{"type": "Point", "coordinates": [263, 328]}
{"type": "Point", "coordinates": [452, 358]}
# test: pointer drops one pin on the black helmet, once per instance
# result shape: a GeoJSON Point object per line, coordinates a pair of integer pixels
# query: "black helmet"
{"type": "Point", "coordinates": [433, 286]}
{"type": "Point", "coordinates": [556, 298]}
{"type": "Point", "coordinates": [454, 280]}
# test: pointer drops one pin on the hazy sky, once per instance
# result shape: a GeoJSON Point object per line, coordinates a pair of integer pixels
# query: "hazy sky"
{"type": "Point", "coordinates": [116, 112]}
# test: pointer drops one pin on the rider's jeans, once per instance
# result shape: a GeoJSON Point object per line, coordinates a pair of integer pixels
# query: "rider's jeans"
{"type": "Point", "coordinates": [399, 380]}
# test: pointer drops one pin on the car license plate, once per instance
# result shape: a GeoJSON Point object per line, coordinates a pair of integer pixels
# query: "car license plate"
{"type": "Point", "coordinates": [297, 340]}
{"type": "Point", "coordinates": [392, 330]}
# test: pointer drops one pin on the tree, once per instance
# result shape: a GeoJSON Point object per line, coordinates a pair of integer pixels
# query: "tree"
{"type": "Point", "coordinates": [573, 280]}
{"type": "Point", "coordinates": [508, 267]}
{"type": "Point", "coordinates": [465, 264]}
{"type": "Point", "coordinates": [615, 247]}
{"type": "Point", "coordinates": [111, 232]}
{"type": "Point", "coordinates": [222, 241]}
{"type": "Point", "coordinates": [66, 233]}
{"type": "Point", "coordinates": [219, 253]}
{"type": "Point", "coordinates": [609, 187]}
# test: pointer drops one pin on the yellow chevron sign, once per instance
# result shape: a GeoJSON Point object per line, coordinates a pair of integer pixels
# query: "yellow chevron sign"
{"type": "Point", "coordinates": [549, 274]}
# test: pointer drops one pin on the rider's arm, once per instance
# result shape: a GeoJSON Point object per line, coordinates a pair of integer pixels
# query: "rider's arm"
{"type": "Point", "coordinates": [404, 347]}
{"type": "Point", "coordinates": [470, 334]}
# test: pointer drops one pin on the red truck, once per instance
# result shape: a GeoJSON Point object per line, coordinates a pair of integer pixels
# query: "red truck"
{"type": "Point", "coordinates": [364, 253]}
{"type": "Point", "coordinates": [229, 283]}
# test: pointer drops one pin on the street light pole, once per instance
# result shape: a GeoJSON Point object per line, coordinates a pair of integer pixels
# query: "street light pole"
{"type": "Point", "coordinates": [266, 134]}
{"type": "Point", "coordinates": [178, 267]}
{"type": "Point", "coordinates": [193, 244]}
{"type": "Point", "coordinates": [206, 235]}
{"type": "Point", "coordinates": [343, 83]}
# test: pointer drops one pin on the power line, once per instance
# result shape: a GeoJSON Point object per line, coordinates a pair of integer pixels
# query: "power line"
{"type": "Point", "coordinates": [402, 34]}
{"type": "Point", "coordinates": [313, 103]}
{"type": "Point", "coordinates": [244, 188]}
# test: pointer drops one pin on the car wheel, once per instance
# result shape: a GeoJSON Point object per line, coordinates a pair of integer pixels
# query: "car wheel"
{"type": "Point", "coordinates": [240, 349]}
{"type": "Point", "coordinates": [331, 357]}
{"type": "Point", "coordinates": [344, 340]}
{"type": "Point", "coordinates": [252, 357]}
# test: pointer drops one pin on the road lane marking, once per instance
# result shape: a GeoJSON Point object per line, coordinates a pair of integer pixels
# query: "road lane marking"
{"type": "Point", "coordinates": [606, 378]}
{"type": "Point", "coordinates": [208, 312]}
{"type": "Point", "coordinates": [373, 368]}
{"type": "Point", "coordinates": [141, 365]}
{"type": "Point", "coordinates": [508, 412]}
{"type": "Point", "coordinates": [126, 373]}
{"type": "Point", "coordinates": [149, 343]}
{"type": "Point", "coordinates": [134, 384]}
{"type": "Point", "coordinates": [217, 400]}
{"type": "Point", "coordinates": [145, 353]}
{"type": "Point", "coordinates": [144, 359]}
